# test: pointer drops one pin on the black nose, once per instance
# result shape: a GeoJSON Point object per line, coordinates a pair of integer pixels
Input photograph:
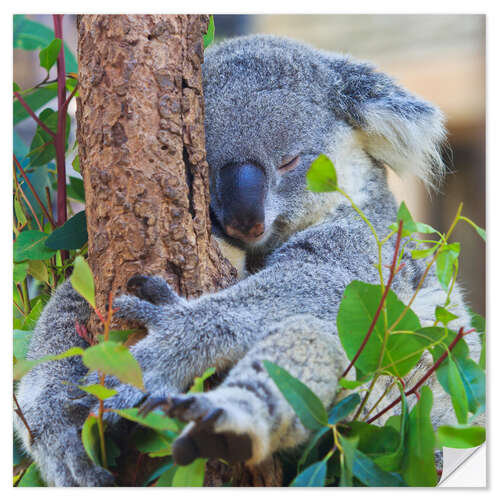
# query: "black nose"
{"type": "Point", "coordinates": [243, 192]}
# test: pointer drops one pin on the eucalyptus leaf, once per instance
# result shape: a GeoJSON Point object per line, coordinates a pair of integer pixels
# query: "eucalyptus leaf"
{"type": "Point", "coordinates": [190, 475]}
{"type": "Point", "coordinates": [82, 280]}
{"type": "Point", "coordinates": [461, 436]}
{"type": "Point", "coordinates": [419, 468]}
{"type": "Point", "coordinates": [114, 359]}
{"type": "Point", "coordinates": [306, 404]}
{"type": "Point", "coordinates": [314, 475]}
{"type": "Point", "coordinates": [343, 408]}
{"type": "Point", "coordinates": [321, 176]}
{"type": "Point", "coordinates": [48, 55]}
{"type": "Point", "coordinates": [153, 420]}
{"type": "Point", "coordinates": [90, 438]}
{"type": "Point", "coordinates": [445, 263]}
{"type": "Point", "coordinates": [30, 245]}
{"type": "Point", "coordinates": [71, 235]}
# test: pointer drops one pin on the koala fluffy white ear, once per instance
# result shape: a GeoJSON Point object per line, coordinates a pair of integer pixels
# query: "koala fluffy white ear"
{"type": "Point", "coordinates": [395, 127]}
{"type": "Point", "coordinates": [406, 143]}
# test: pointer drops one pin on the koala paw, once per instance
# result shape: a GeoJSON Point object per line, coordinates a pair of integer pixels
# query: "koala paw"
{"type": "Point", "coordinates": [212, 433]}
{"type": "Point", "coordinates": [154, 289]}
{"type": "Point", "coordinates": [136, 309]}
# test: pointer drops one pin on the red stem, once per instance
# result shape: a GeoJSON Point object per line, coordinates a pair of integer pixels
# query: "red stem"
{"type": "Point", "coordinates": [35, 194]}
{"type": "Point", "coordinates": [24, 104]}
{"type": "Point", "coordinates": [427, 374]}
{"type": "Point", "coordinates": [60, 139]}
{"type": "Point", "coordinates": [382, 301]}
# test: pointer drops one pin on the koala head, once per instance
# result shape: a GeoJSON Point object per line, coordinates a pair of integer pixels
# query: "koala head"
{"type": "Point", "coordinates": [273, 105]}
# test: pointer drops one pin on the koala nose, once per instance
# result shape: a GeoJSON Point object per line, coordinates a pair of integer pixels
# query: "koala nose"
{"type": "Point", "coordinates": [242, 193]}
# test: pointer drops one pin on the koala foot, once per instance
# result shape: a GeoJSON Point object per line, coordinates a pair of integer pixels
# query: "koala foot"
{"type": "Point", "coordinates": [214, 431]}
{"type": "Point", "coordinates": [154, 289]}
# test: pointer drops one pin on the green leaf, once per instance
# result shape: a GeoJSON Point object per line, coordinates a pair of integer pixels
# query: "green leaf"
{"type": "Point", "coordinates": [41, 151]}
{"type": "Point", "coordinates": [314, 475]}
{"type": "Point", "coordinates": [311, 445]}
{"type": "Point", "coordinates": [153, 420]}
{"type": "Point", "coordinates": [31, 478]}
{"type": "Point", "coordinates": [419, 468]}
{"type": "Point", "coordinates": [446, 260]}
{"type": "Point", "coordinates": [423, 252]}
{"type": "Point", "coordinates": [82, 280]}
{"type": "Point", "coordinates": [117, 335]}
{"type": "Point", "coordinates": [76, 164]}
{"type": "Point", "coordinates": [162, 473]}
{"type": "Point", "coordinates": [71, 235]}
{"type": "Point", "coordinates": [461, 437]}
{"type": "Point", "coordinates": [351, 384]}
{"type": "Point", "coordinates": [22, 340]}
{"type": "Point", "coordinates": [29, 322]}
{"type": "Point", "coordinates": [477, 321]}
{"type": "Point", "coordinates": [99, 391]}
{"type": "Point", "coordinates": [90, 438]}
{"type": "Point", "coordinates": [444, 316]}
{"type": "Point", "coordinates": [20, 272]}
{"type": "Point", "coordinates": [457, 392]}
{"type": "Point", "coordinates": [347, 459]}
{"type": "Point", "coordinates": [356, 312]}
{"type": "Point", "coordinates": [35, 100]}
{"type": "Point", "coordinates": [23, 366]}
{"type": "Point", "coordinates": [48, 55]}
{"type": "Point", "coordinates": [306, 404]}
{"type": "Point", "coordinates": [38, 269]}
{"type": "Point", "coordinates": [472, 376]}
{"type": "Point", "coordinates": [30, 245]}
{"type": "Point", "coordinates": [16, 87]}
{"type": "Point", "coordinates": [199, 381]}
{"type": "Point", "coordinates": [409, 225]}
{"type": "Point", "coordinates": [343, 408]}
{"type": "Point", "coordinates": [30, 35]}
{"type": "Point", "coordinates": [208, 38]}
{"type": "Point", "coordinates": [75, 189]}
{"type": "Point", "coordinates": [114, 359]}
{"type": "Point", "coordinates": [153, 443]}
{"type": "Point", "coordinates": [370, 474]}
{"type": "Point", "coordinates": [191, 475]}
{"type": "Point", "coordinates": [321, 176]}
{"type": "Point", "coordinates": [18, 210]}
{"type": "Point", "coordinates": [479, 230]}
{"type": "Point", "coordinates": [391, 460]}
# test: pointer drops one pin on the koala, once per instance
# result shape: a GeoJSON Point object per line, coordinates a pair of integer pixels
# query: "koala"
{"type": "Point", "coordinates": [272, 106]}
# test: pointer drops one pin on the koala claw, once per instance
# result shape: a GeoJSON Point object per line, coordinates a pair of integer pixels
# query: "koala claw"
{"type": "Point", "coordinates": [151, 403]}
{"type": "Point", "coordinates": [154, 289]}
{"type": "Point", "coordinates": [204, 436]}
{"type": "Point", "coordinates": [134, 308]}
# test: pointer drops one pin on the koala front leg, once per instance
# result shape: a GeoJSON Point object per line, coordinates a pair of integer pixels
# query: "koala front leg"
{"type": "Point", "coordinates": [247, 418]}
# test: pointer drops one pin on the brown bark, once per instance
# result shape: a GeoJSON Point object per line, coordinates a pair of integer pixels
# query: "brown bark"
{"type": "Point", "coordinates": [142, 156]}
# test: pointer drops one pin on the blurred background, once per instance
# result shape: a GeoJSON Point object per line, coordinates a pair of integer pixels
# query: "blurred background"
{"type": "Point", "coordinates": [439, 57]}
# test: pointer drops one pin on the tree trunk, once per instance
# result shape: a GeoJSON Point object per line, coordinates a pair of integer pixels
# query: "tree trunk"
{"type": "Point", "coordinates": [142, 156]}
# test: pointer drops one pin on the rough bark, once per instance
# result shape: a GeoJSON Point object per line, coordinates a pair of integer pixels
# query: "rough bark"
{"type": "Point", "coordinates": [142, 157]}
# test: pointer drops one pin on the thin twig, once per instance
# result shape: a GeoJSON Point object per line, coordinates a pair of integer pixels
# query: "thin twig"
{"type": "Point", "coordinates": [427, 374]}
{"type": "Point", "coordinates": [21, 416]}
{"type": "Point", "coordinates": [382, 301]}
{"type": "Point", "coordinates": [25, 105]}
{"type": "Point", "coordinates": [35, 194]}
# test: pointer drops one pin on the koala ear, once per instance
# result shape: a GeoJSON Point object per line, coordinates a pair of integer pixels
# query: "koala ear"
{"type": "Point", "coordinates": [396, 127]}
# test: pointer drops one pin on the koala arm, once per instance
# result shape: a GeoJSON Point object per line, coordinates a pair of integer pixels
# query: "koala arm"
{"type": "Point", "coordinates": [187, 337]}
{"type": "Point", "coordinates": [53, 406]}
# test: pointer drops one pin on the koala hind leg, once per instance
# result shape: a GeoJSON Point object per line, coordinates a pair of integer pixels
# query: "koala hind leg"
{"type": "Point", "coordinates": [247, 418]}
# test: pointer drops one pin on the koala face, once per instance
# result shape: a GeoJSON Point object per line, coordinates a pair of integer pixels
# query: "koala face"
{"type": "Point", "coordinates": [273, 105]}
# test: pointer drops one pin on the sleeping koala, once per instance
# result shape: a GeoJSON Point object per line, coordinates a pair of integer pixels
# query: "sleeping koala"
{"type": "Point", "coordinates": [272, 106]}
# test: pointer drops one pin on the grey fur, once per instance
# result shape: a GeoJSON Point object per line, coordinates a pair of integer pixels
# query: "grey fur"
{"type": "Point", "coordinates": [267, 99]}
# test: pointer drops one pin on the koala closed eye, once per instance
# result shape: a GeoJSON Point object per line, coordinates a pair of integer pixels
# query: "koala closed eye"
{"type": "Point", "coordinates": [289, 164]}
